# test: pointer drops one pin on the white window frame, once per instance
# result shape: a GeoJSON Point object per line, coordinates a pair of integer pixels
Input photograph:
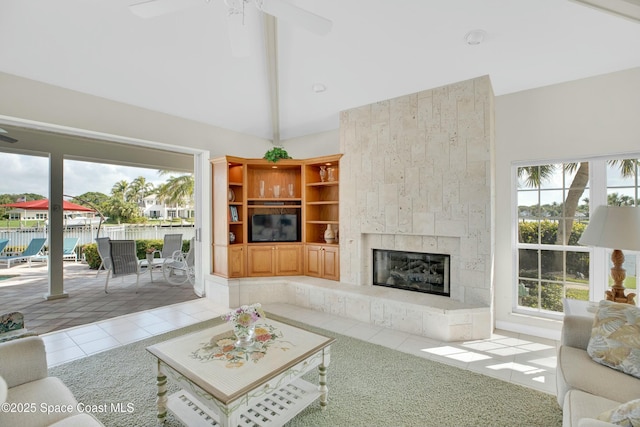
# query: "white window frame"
{"type": "Point", "coordinates": [599, 257]}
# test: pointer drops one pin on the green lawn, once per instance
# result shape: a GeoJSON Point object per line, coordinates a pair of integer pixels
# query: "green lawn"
{"type": "Point", "coordinates": [629, 282]}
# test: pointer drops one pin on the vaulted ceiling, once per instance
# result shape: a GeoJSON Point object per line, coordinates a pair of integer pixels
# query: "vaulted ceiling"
{"type": "Point", "coordinates": [181, 63]}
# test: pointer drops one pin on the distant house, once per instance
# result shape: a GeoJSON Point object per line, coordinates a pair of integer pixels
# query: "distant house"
{"type": "Point", "coordinates": [27, 215]}
{"type": "Point", "coordinates": [152, 207]}
{"type": "Point", "coordinates": [38, 210]}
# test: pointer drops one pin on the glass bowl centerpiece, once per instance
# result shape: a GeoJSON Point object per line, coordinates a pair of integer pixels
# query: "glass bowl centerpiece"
{"type": "Point", "coordinates": [244, 320]}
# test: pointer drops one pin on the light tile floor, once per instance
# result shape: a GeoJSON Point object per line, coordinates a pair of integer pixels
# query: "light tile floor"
{"type": "Point", "coordinates": [512, 357]}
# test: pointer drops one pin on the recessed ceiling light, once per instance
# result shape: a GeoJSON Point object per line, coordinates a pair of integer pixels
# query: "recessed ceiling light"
{"type": "Point", "coordinates": [318, 87]}
{"type": "Point", "coordinates": [475, 37]}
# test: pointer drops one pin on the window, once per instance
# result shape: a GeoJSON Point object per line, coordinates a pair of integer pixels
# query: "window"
{"type": "Point", "coordinates": [553, 203]}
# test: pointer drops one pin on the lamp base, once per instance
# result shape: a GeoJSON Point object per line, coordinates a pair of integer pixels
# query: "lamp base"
{"type": "Point", "coordinates": [616, 294]}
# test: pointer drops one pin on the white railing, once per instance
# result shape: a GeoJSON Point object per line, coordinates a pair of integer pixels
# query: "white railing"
{"type": "Point", "coordinates": [21, 237]}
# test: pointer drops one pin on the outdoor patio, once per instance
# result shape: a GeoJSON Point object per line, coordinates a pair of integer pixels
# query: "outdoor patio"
{"type": "Point", "coordinates": [87, 301]}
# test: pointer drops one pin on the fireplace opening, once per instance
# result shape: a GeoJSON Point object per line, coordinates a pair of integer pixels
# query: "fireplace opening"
{"type": "Point", "coordinates": [412, 271]}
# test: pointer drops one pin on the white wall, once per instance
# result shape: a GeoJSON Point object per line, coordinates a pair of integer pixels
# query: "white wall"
{"type": "Point", "coordinates": [316, 145]}
{"type": "Point", "coordinates": [32, 100]}
{"type": "Point", "coordinates": [588, 117]}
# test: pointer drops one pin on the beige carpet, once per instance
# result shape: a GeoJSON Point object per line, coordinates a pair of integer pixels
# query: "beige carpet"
{"type": "Point", "coordinates": [369, 385]}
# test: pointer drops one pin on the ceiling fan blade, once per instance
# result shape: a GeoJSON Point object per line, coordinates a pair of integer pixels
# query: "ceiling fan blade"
{"type": "Point", "coordinates": [153, 8]}
{"type": "Point", "coordinates": [284, 10]}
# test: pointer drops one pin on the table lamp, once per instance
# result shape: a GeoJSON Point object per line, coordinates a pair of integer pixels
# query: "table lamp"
{"type": "Point", "coordinates": [617, 228]}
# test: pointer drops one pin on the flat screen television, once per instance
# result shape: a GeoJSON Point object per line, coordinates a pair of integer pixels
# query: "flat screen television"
{"type": "Point", "coordinates": [274, 228]}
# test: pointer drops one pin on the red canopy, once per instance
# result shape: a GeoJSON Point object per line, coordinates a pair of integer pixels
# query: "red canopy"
{"type": "Point", "coordinates": [43, 205]}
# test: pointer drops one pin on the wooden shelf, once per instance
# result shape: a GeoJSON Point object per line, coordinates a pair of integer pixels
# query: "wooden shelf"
{"type": "Point", "coordinates": [254, 207]}
{"type": "Point", "coordinates": [301, 192]}
{"type": "Point", "coordinates": [324, 202]}
{"type": "Point", "coordinates": [322, 184]}
{"type": "Point", "coordinates": [274, 202]}
{"type": "Point", "coordinates": [323, 243]}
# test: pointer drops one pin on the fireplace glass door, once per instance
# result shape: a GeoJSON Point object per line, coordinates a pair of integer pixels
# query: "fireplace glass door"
{"type": "Point", "coordinates": [413, 271]}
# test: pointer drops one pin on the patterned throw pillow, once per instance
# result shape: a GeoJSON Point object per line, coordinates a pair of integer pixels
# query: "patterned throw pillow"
{"type": "Point", "coordinates": [615, 337]}
{"type": "Point", "coordinates": [627, 414]}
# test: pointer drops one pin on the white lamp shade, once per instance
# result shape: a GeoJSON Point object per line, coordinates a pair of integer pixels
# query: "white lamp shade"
{"type": "Point", "coordinates": [614, 227]}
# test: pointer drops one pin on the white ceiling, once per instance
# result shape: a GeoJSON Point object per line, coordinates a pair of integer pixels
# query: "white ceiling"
{"type": "Point", "coordinates": [181, 63]}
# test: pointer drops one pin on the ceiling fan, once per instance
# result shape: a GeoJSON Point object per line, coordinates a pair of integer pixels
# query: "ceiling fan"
{"type": "Point", "coordinates": [280, 9]}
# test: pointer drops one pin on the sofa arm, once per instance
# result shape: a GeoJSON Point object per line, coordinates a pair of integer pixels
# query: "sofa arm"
{"type": "Point", "coordinates": [23, 360]}
{"type": "Point", "coordinates": [576, 331]}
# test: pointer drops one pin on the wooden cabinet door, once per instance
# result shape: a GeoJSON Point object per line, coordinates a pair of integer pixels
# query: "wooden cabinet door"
{"type": "Point", "coordinates": [236, 261]}
{"type": "Point", "coordinates": [322, 261]}
{"type": "Point", "coordinates": [313, 261]}
{"type": "Point", "coordinates": [331, 262]}
{"type": "Point", "coordinates": [260, 260]}
{"type": "Point", "coordinates": [288, 260]}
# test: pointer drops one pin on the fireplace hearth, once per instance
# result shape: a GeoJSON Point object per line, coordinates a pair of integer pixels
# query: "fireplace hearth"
{"type": "Point", "coordinates": [412, 271]}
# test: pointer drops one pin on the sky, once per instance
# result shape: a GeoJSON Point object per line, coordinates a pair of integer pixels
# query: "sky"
{"type": "Point", "coordinates": [30, 174]}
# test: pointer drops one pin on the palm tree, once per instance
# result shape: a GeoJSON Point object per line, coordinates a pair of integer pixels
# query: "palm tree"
{"type": "Point", "coordinates": [576, 190]}
{"type": "Point", "coordinates": [138, 190]}
{"type": "Point", "coordinates": [177, 190]}
{"type": "Point", "coordinates": [534, 175]}
{"type": "Point", "coordinates": [119, 189]}
{"type": "Point", "coordinates": [614, 199]}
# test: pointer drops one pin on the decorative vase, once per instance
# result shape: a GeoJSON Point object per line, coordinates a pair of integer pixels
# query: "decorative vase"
{"type": "Point", "coordinates": [244, 335]}
{"type": "Point", "coordinates": [232, 237]}
{"type": "Point", "coordinates": [329, 234]}
{"type": "Point", "coordinates": [323, 173]}
{"type": "Point", "coordinates": [332, 174]}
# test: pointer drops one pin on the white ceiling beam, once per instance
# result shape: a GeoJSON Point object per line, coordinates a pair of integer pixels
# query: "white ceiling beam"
{"type": "Point", "coordinates": [271, 46]}
{"type": "Point", "coordinates": [629, 9]}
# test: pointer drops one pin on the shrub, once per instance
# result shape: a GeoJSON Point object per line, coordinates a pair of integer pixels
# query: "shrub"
{"type": "Point", "coordinates": [92, 257]}
{"type": "Point", "coordinates": [90, 251]}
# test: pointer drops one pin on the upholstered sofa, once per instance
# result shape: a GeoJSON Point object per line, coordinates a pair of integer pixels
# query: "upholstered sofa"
{"type": "Point", "coordinates": [35, 399]}
{"type": "Point", "coordinates": [585, 388]}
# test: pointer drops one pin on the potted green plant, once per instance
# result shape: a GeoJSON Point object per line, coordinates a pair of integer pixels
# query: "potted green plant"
{"type": "Point", "coordinates": [275, 154]}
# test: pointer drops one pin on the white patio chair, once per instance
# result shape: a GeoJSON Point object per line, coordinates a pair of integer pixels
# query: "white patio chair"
{"type": "Point", "coordinates": [172, 243]}
{"type": "Point", "coordinates": [104, 250]}
{"type": "Point", "coordinates": [124, 261]}
{"type": "Point", "coordinates": [180, 267]}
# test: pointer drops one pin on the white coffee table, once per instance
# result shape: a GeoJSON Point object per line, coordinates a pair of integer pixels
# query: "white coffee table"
{"type": "Point", "coordinates": [225, 386]}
